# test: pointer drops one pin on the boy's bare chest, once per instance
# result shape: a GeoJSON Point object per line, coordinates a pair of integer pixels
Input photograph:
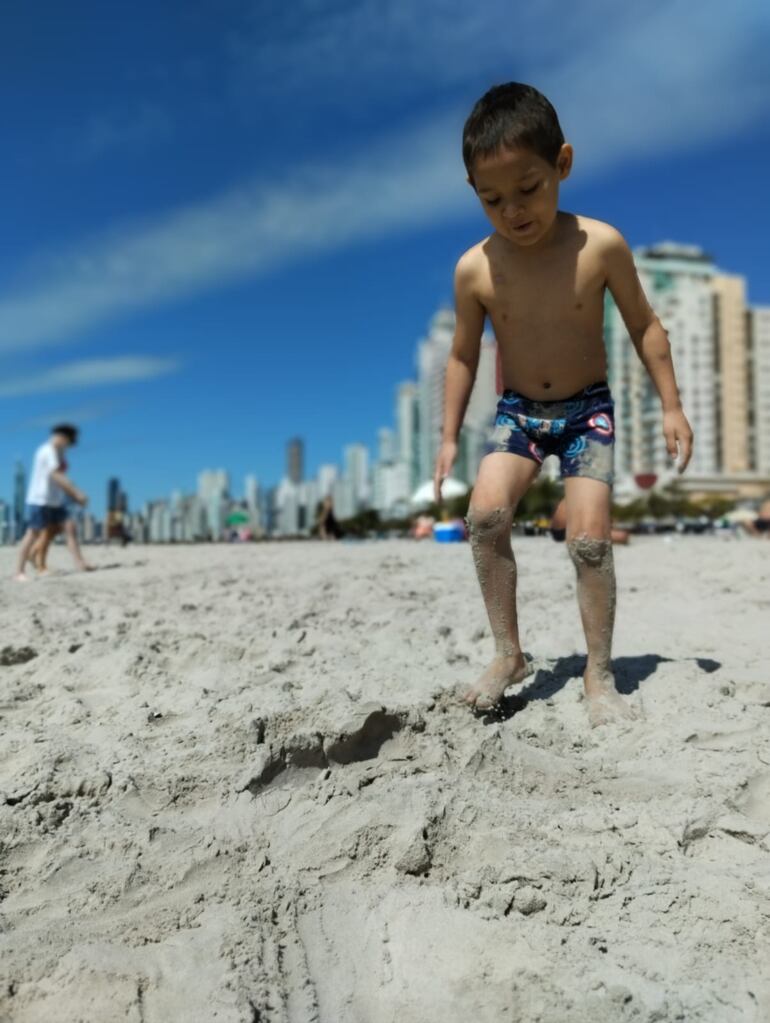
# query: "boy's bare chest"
{"type": "Point", "coordinates": [563, 294]}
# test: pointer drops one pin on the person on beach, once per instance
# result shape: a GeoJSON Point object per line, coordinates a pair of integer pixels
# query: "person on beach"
{"type": "Point", "coordinates": [540, 277]}
{"type": "Point", "coordinates": [761, 524]}
{"type": "Point", "coordinates": [48, 486]}
{"type": "Point", "coordinates": [326, 521]}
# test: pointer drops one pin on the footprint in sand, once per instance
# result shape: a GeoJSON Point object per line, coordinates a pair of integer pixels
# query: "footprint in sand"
{"type": "Point", "coordinates": [755, 800]}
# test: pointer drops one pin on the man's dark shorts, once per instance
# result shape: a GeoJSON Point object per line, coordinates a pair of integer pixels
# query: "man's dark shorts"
{"type": "Point", "coordinates": [579, 430]}
{"type": "Point", "coordinates": [41, 516]}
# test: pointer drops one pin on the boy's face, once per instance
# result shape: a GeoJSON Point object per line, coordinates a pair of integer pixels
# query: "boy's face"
{"type": "Point", "coordinates": [519, 191]}
{"type": "Point", "coordinates": [61, 441]}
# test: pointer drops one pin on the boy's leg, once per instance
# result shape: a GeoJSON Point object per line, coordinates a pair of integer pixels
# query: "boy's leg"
{"type": "Point", "coordinates": [502, 481]}
{"type": "Point", "coordinates": [27, 543]}
{"type": "Point", "coordinates": [590, 546]}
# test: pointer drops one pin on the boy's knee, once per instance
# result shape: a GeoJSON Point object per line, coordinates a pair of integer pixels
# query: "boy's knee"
{"type": "Point", "coordinates": [487, 524]}
{"type": "Point", "coordinates": [594, 552]}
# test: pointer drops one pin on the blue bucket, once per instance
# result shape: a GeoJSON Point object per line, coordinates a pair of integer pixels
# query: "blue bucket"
{"type": "Point", "coordinates": [449, 532]}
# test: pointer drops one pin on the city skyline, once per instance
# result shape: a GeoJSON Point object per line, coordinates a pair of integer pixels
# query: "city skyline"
{"type": "Point", "coordinates": [721, 347]}
{"type": "Point", "coordinates": [200, 239]}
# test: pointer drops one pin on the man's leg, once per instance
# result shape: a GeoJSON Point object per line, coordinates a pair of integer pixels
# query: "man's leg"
{"type": "Point", "coordinates": [590, 546]}
{"type": "Point", "coordinates": [502, 481]}
{"type": "Point", "coordinates": [39, 553]}
{"type": "Point", "coordinates": [71, 536]}
{"type": "Point", "coordinates": [27, 543]}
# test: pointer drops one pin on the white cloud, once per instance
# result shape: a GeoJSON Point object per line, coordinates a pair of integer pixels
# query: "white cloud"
{"type": "Point", "coordinates": [76, 376]}
{"type": "Point", "coordinates": [246, 231]}
{"type": "Point", "coordinates": [366, 48]}
{"type": "Point", "coordinates": [667, 77]}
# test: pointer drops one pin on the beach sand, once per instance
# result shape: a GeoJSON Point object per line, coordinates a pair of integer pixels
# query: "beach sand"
{"type": "Point", "coordinates": [236, 787]}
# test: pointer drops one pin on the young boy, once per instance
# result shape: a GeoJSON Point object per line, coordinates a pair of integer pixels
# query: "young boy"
{"type": "Point", "coordinates": [45, 495]}
{"type": "Point", "coordinates": [540, 277]}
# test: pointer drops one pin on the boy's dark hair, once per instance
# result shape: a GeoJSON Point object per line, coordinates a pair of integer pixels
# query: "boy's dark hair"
{"type": "Point", "coordinates": [511, 115]}
{"type": "Point", "coordinates": [68, 431]}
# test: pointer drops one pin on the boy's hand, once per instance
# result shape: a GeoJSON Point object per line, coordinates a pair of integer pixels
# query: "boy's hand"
{"type": "Point", "coordinates": [81, 498]}
{"type": "Point", "coordinates": [678, 434]}
{"type": "Point", "coordinates": [445, 459]}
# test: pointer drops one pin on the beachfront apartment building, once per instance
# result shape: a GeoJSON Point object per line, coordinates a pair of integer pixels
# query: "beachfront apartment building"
{"type": "Point", "coordinates": [721, 351]}
{"type": "Point", "coordinates": [758, 335]}
{"type": "Point", "coordinates": [732, 373]}
{"type": "Point", "coordinates": [678, 281]}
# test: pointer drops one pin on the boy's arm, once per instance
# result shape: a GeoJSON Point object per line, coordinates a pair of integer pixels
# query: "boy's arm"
{"type": "Point", "coordinates": [461, 367]}
{"type": "Point", "coordinates": [68, 487]}
{"type": "Point", "coordinates": [650, 341]}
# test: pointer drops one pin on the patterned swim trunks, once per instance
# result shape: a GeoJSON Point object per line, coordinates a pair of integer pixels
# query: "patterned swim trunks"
{"type": "Point", "coordinates": [579, 430]}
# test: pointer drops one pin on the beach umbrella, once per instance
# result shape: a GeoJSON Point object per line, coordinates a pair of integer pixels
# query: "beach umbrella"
{"type": "Point", "coordinates": [738, 515]}
{"type": "Point", "coordinates": [237, 518]}
{"type": "Point", "coordinates": [450, 488]}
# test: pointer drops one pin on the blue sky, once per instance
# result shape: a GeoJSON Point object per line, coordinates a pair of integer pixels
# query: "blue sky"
{"type": "Point", "coordinates": [225, 223]}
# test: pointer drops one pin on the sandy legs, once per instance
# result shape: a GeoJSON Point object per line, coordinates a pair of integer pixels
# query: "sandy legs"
{"type": "Point", "coordinates": [590, 548]}
{"type": "Point", "coordinates": [490, 536]}
{"type": "Point", "coordinates": [501, 482]}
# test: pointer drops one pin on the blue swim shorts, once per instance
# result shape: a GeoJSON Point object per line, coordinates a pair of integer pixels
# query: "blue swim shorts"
{"type": "Point", "coordinates": [579, 430]}
{"type": "Point", "coordinates": [41, 516]}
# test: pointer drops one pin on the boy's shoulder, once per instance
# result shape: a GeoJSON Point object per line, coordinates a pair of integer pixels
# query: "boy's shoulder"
{"type": "Point", "coordinates": [473, 257]}
{"type": "Point", "coordinates": [598, 231]}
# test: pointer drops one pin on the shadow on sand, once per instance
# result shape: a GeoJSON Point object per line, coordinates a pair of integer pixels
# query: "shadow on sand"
{"type": "Point", "coordinates": [629, 672]}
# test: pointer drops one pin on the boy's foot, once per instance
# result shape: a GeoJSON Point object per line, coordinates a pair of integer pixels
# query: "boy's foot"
{"type": "Point", "coordinates": [502, 673]}
{"type": "Point", "coordinates": [605, 704]}
{"type": "Point", "coordinates": [20, 577]}
{"type": "Point", "coordinates": [83, 566]}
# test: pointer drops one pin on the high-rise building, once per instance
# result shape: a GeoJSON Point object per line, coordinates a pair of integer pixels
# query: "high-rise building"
{"type": "Point", "coordinates": [732, 372]}
{"type": "Point", "coordinates": [391, 489]}
{"type": "Point", "coordinates": [344, 499]}
{"type": "Point", "coordinates": [213, 483]}
{"type": "Point", "coordinates": [433, 354]}
{"type": "Point", "coordinates": [5, 523]}
{"type": "Point", "coordinates": [295, 460]}
{"type": "Point", "coordinates": [386, 445]}
{"type": "Point", "coordinates": [288, 508]}
{"type": "Point", "coordinates": [678, 281]}
{"type": "Point", "coordinates": [19, 500]}
{"type": "Point", "coordinates": [327, 474]}
{"type": "Point", "coordinates": [357, 472]}
{"type": "Point", "coordinates": [408, 429]}
{"type": "Point", "coordinates": [758, 331]}
{"type": "Point", "coordinates": [251, 490]}
{"type": "Point", "coordinates": [117, 499]}
{"type": "Point", "coordinates": [252, 496]}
